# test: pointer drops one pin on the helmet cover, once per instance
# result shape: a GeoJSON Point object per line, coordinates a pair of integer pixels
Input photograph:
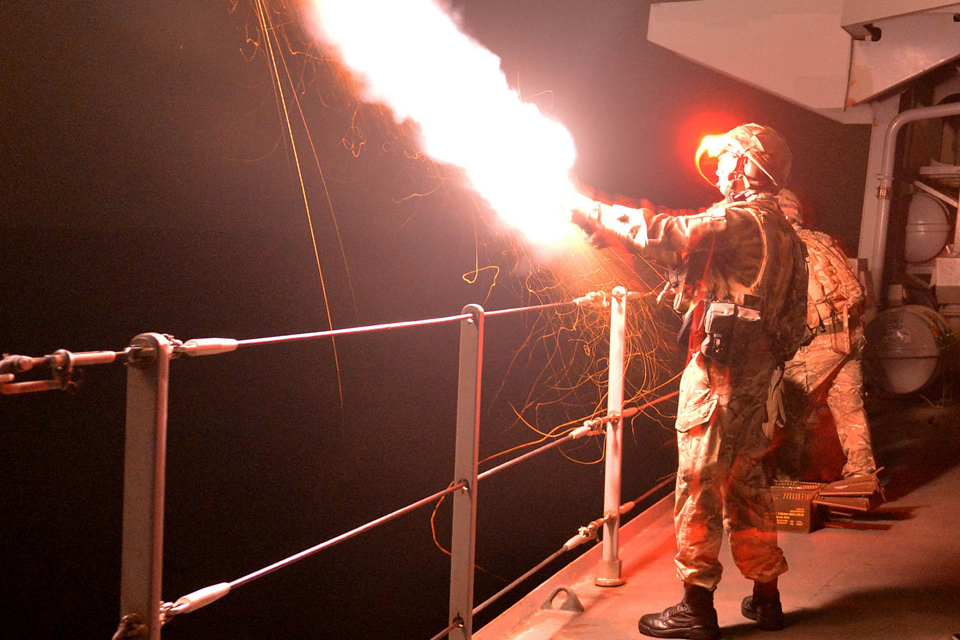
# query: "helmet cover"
{"type": "Point", "coordinates": [765, 149]}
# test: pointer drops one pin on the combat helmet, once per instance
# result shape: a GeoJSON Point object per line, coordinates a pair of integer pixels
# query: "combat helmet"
{"type": "Point", "coordinates": [763, 158]}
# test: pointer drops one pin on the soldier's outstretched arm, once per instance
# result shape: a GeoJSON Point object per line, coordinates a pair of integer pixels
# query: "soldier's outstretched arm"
{"type": "Point", "coordinates": [664, 237]}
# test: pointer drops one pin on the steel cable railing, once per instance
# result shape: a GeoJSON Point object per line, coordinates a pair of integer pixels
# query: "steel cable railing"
{"type": "Point", "coordinates": [586, 533]}
{"type": "Point", "coordinates": [203, 597]}
{"type": "Point", "coordinates": [590, 531]}
{"type": "Point", "coordinates": [148, 359]}
{"type": "Point", "coordinates": [207, 595]}
{"type": "Point", "coordinates": [212, 346]}
{"type": "Point", "coordinates": [591, 427]}
{"type": "Point", "coordinates": [63, 363]}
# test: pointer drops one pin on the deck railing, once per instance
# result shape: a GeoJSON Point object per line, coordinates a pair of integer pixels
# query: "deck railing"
{"type": "Point", "coordinates": [142, 610]}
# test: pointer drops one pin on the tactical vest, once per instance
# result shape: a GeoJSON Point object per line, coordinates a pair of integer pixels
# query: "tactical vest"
{"type": "Point", "coordinates": [779, 289]}
{"type": "Point", "coordinates": [833, 288]}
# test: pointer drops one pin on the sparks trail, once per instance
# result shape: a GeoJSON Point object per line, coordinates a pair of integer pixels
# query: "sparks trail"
{"type": "Point", "coordinates": [560, 366]}
{"type": "Point", "coordinates": [566, 351]}
{"type": "Point", "coordinates": [269, 33]}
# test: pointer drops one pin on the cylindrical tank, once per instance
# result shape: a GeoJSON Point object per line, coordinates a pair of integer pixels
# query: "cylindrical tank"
{"type": "Point", "coordinates": [928, 228]}
{"type": "Point", "coordinates": [904, 348]}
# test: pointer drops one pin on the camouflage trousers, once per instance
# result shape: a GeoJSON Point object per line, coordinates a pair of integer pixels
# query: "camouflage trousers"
{"type": "Point", "coordinates": [721, 483]}
{"type": "Point", "coordinates": [828, 371]}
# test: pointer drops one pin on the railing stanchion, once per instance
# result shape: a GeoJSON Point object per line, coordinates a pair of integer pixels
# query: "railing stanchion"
{"type": "Point", "coordinates": [609, 569]}
{"type": "Point", "coordinates": [463, 537]}
{"type": "Point", "coordinates": [148, 377]}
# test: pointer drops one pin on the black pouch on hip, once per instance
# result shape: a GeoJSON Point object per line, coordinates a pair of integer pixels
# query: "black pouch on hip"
{"type": "Point", "coordinates": [724, 322]}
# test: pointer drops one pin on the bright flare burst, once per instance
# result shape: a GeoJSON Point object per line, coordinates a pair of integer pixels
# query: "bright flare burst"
{"type": "Point", "coordinates": [410, 56]}
{"type": "Point", "coordinates": [712, 146]}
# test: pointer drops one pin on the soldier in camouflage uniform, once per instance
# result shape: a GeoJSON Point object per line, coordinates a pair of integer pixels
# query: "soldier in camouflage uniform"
{"type": "Point", "coordinates": [745, 282]}
{"type": "Point", "coordinates": [828, 369]}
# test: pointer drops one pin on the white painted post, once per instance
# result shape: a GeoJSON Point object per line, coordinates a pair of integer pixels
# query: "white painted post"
{"type": "Point", "coordinates": [141, 567]}
{"type": "Point", "coordinates": [464, 534]}
{"type": "Point", "coordinates": [609, 569]}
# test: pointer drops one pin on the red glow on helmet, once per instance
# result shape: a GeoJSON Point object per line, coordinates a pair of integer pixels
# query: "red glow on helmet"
{"type": "Point", "coordinates": [712, 147]}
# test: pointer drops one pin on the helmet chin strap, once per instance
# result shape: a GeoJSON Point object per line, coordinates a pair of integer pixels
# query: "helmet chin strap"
{"type": "Point", "coordinates": [737, 181]}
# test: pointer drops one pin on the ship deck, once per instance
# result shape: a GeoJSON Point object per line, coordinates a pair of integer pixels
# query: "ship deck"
{"type": "Point", "coordinates": [890, 573]}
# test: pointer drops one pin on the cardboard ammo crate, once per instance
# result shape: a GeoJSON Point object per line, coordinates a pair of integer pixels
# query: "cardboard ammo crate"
{"type": "Point", "coordinates": [795, 510]}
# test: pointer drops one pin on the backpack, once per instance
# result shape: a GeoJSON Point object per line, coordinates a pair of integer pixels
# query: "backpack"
{"type": "Point", "coordinates": [833, 289]}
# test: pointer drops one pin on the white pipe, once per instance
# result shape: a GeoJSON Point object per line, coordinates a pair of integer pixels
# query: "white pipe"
{"type": "Point", "coordinates": [609, 571]}
{"type": "Point", "coordinates": [886, 178]}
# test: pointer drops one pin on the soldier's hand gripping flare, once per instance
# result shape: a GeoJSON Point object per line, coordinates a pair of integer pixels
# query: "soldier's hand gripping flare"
{"type": "Point", "coordinates": [604, 226]}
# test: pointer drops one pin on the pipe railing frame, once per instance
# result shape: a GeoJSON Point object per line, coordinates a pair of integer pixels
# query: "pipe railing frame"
{"type": "Point", "coordinates": [876, 246]}
{"type": "Point", "coordinates": [148, 380]}
{"type": "Point", "coordinates": [610, 567]}
{"type": "Point", "coordinates": [144, 469]}
{"type": "Point", "coordinates": [463, 538]}
{"type": "Point", "coordinates": [147, 602]}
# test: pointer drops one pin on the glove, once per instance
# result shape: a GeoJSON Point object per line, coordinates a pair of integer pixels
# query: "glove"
{"type": "Point", "coordinates": [613, 225]}
{"type": "Point", "coordinates": [668, 290]}
{"type": "Point", "coordinates": [588, 219]}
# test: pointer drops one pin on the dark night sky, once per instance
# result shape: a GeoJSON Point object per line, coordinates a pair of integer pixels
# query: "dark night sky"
{"type": "Point", "coordinates": [146, 186]}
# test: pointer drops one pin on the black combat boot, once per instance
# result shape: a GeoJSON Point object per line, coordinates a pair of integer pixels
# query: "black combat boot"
{"type": "Point", "coordinates": [764, 606]}
{"type": "Point", "coordinates": [694, 617]}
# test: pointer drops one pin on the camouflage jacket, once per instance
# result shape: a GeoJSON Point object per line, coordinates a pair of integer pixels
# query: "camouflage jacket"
{"type": "Point", "coordinates": [744, 252]}
{"type": "Point", "coordinates": [833, 289]}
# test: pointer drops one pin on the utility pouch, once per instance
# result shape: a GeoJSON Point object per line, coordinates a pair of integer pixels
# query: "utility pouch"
{"type": "Point", "coordinates": [723, 321]}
